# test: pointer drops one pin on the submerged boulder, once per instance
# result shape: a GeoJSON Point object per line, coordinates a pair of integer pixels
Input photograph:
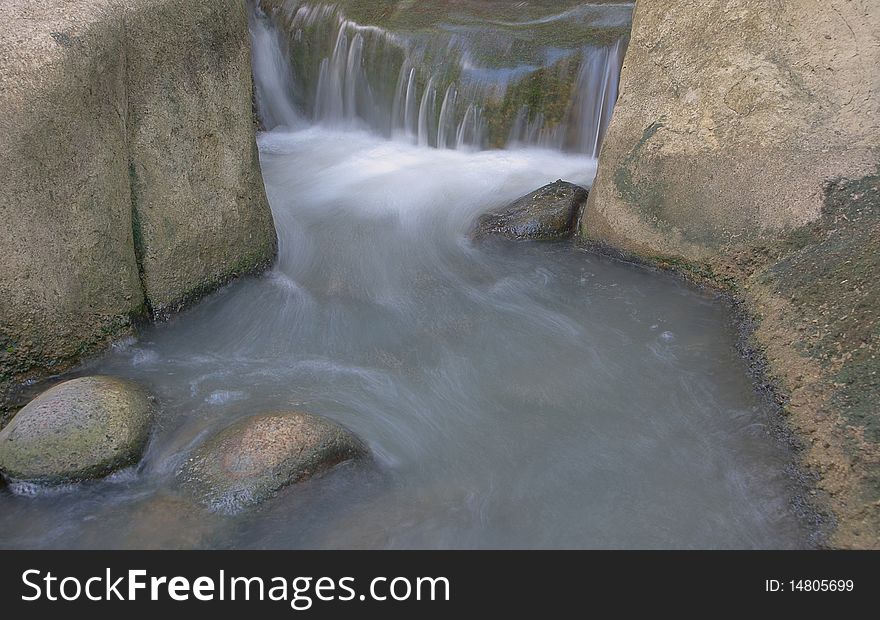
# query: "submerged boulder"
{"type": "Point", "coordinates": [159, 521]}
{"type": "Point", "coordinates": [251, 460]}
{"type": "Point", "coordinates": [548, 213]}
{"type": "Point", "coordinates": [79, 429]}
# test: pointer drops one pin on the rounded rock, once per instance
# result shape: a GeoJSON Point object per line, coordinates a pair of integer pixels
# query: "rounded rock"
{"type": "Point", "coordinates": [79, 429]}
{"type": "Point", "coordinates": [547, 214]}
{"type": "Point", "coordinates": [251, 460]}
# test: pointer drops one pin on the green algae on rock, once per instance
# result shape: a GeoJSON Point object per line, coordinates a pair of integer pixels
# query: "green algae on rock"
{"type": "Point", "coordinates": [80, 429]}
{"type": "Point", "coordinates": [248, 462]}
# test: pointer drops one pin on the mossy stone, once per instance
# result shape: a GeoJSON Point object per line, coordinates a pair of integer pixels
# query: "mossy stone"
{"type": "Point", "coordinates": [548, 213]}
{"type": "Point", "coordinates": [80, 429]}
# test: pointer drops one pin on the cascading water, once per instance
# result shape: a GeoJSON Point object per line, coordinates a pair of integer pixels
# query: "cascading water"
{"type": "Point", "coordinates": [589, 111]}
{"type": "Point", "coordinates": [274, 89]}
{"type": "Point", "coordinates": [511, 395]}
{"type": "Point", "coordinates": [451, 86]}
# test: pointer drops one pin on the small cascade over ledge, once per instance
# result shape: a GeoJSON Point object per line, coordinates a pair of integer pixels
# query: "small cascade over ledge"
{"type": "Point", "coordinates": [442, 78]}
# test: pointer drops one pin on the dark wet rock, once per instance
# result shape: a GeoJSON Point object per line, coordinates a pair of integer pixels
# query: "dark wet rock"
{"type": "Point", "coordinates": [248, 462]}
{"type": "Point", "coordinates": [80, 429]}
{"type": "Point", "coordinates": [548, 213]}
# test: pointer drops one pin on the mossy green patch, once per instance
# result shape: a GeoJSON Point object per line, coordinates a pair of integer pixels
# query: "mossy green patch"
{"type": "Point", "coordinates": [698, 272]}
{"type": "Point", "coordinates": [829, 272]}
{"type": "Point", "coordinates": [546, 91]}
{"type": "Point", "coordinates": [647, 196]}
{"type": "Point", "coordinates": [79, 429]}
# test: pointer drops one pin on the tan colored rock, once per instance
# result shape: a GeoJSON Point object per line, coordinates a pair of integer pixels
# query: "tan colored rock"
{"type": "Point", "coordinates": [732, 114]}
{"type": "Point", "coordinates": [201, 215]}
{"type": "Point", "coordinates": [248, 462]}
{"type": "Point", "coordinates": [68, 276]}
{"type": "Point", "coordinates": [111, 110]}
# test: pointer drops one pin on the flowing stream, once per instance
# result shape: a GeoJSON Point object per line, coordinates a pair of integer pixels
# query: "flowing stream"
{"type": "Point", "coordinates": [512, 394]}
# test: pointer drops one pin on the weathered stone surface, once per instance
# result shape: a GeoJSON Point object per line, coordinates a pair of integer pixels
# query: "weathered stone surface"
{"type": "Point", "coordinates": [731, 117]}
{"type": "Point", "coordinates": [126, 140]}
{"type": "Point", "coordinates": [201, 215]}
{"type": "Point", "coordinates": [82, 428]}
{"type": "Point", "coordinates": [68, 276]}
{"type": "Point", "coordinates": [251, 460]}
{"type": "Point", "coordinates": [548, 213]}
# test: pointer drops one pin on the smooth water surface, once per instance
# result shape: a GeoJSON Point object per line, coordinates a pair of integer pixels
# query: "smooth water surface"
{"type": "Point", "coordinates": [512, 394]}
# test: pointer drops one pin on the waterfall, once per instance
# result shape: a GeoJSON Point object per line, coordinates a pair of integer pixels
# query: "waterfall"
{"type": "Point", "coordinates": [589, 110]}
{"type": "Point", "coordinates": [597, 92]}
{"type": "Point", "coordinates": [439, 88]}
{"type": "Point", "coordinates": [274, 79]}
{"type": "Point", "coordinates": [471, 129]}
{"type": "Point", "coordinates": [426, 109]}
{"type": "Point", "coordinates": [445, 117]}
{"type": "Point", "coordinates": [409, 105]}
